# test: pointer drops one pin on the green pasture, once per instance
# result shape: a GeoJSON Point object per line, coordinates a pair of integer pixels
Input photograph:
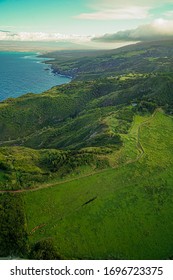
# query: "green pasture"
{"type": "Point", "coordinates": [122, 213]}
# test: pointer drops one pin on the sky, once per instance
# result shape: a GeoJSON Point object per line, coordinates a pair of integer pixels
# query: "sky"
{"type": "Point", "coordinates": [86, 20]}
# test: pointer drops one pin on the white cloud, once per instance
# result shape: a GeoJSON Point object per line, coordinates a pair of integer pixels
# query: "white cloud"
{"type": "Point", "coordinates": [133, 12]}
{"type": "Point", "coordinates": [41, 36]}
{"type": "Point", "coordinates": [159, 29]}
{"type": "Point", "coordinates": [127, 3]}
{"type": "Point", "coordinates": [123, 9]}
{"type": "Point", "coordinates": [169, 14]}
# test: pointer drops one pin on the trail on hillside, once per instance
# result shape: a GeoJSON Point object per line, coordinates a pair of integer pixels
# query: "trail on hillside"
{"type": "Point", "coordinates": [138, 145]}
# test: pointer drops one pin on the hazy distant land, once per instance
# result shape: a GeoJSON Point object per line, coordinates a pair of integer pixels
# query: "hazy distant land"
{"type": "Point", "coordinates": [23, 46]}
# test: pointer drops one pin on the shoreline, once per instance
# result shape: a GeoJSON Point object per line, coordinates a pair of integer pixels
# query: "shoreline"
{"type": "Point", "coordinates": [40, 60]}
{"type": "Point", "coordinates": [53, 71]}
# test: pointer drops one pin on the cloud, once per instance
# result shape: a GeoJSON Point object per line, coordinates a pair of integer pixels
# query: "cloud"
{"type": "Point", "coordinates": [159, 29]}
{"type": "Point", "coordinates": [169, 14]}
{"type": "Point", "coordinates": [124, 9]}
{"type": "Point", "coordinates": [134, 12]}
{"type": "Point", "coordinates": [6, 26]}
{"type": "Point", "coordinates": [41, 36]}
{"type": "Point", "coordinates": [114, 4]}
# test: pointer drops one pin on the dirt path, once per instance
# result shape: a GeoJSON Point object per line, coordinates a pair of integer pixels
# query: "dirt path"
{"type": "Point", "coordinates": [139, 147]}
{"type": "Point", "coordinates": [57, 183]}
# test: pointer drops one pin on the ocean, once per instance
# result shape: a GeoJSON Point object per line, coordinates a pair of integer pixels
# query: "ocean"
{"type": "Point", "coordinates": [22, 73]}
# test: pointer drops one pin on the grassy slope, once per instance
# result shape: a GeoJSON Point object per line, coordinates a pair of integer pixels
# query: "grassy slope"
{"type": "Point", "coordinates": [77, 107]}
{"type": "Point", "coordinates": [130, 216]}
{"type": "Point", "coordinates": [90, 118]}
{"type": "Point", "coordinates": [148, 57]}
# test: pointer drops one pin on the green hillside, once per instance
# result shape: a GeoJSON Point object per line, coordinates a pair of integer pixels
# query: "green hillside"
{"type": "Point", "coordinates": [131, 206]}
{"type": "Point", "coordinates": [143, 58]}
{"type": "Point", "coordinates": [91, 161]}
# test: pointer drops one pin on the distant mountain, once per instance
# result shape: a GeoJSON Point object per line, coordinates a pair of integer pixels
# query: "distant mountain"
{"type": "Point", "coordinates": [39, 46]}
{"type": "Point", "coordinates": [138, 58]}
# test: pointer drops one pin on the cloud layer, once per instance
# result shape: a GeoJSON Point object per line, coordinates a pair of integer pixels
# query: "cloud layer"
{"type": "Point", "coordinates": [159, 29]}
{"type": "Point", "coordinates": [40, 36]}
{"type": "Point", "coordinates": [134, 12]}
{"type": "Point", "coordinates": [124, 9]}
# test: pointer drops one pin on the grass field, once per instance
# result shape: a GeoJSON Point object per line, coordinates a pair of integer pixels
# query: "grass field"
{"type": "Point", "coordinates": [121, 213]}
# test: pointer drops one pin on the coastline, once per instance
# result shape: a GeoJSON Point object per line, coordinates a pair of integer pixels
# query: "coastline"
{"type": "Point", "coordinates": [59, 73]}
{"type": "Point", "coordinates": [55, 70]}
{"type": "Point", "coordinates": [35, 79]}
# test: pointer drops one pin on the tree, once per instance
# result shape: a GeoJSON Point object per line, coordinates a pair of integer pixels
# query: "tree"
{"type": "Point", "coordinates": [44, 250]}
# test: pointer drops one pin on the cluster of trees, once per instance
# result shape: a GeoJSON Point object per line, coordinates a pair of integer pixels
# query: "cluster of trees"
{"type": "Point", "coordinates": [146, 106]}
{"type": "Point", "coordinates": [13, 229]}
{"type": "Point", "coordinates": [65, 162]}
{"type": "Point", "coordinates": [44, 250]}
{"type": "Point", "coordinates": [14, 240]}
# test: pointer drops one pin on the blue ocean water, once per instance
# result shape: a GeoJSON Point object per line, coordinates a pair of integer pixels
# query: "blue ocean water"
{"type": "Point", "coordinates": [22, 73]}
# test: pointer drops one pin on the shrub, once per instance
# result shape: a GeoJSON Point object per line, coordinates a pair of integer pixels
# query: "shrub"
{"type": "Point", "coordinates": [44, 250]}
